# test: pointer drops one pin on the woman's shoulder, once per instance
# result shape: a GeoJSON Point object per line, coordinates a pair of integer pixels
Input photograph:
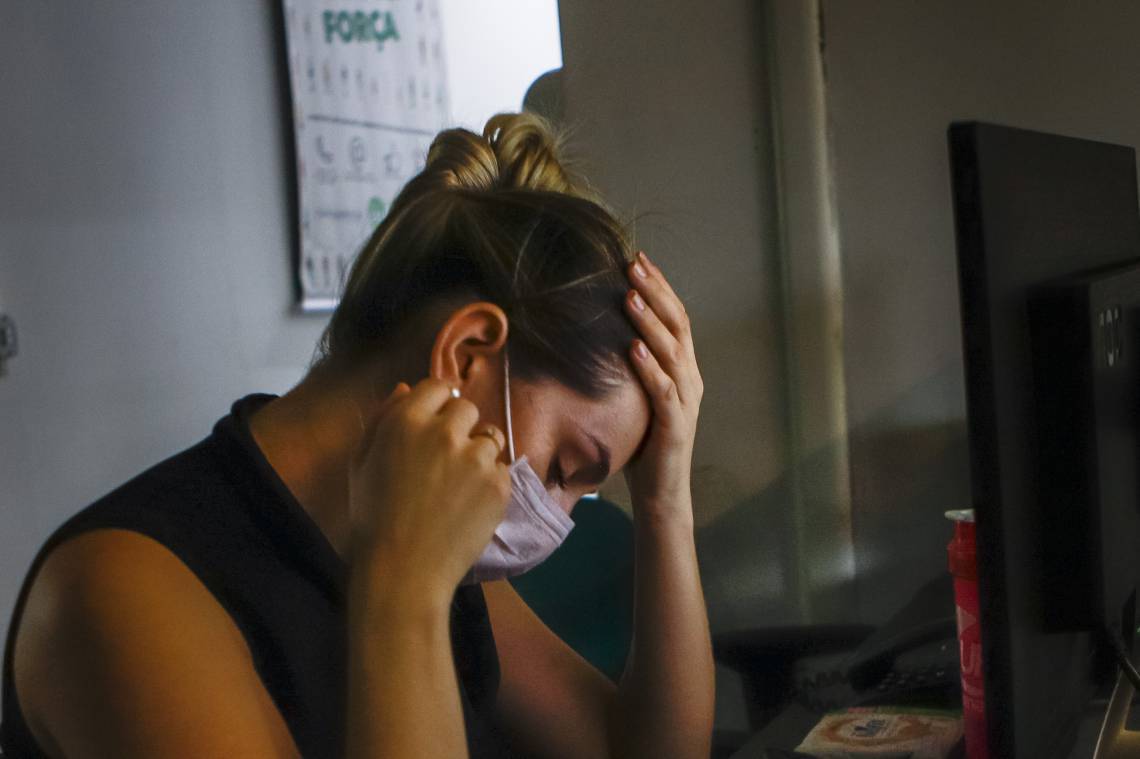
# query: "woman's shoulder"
{"type": "Point", "coordinates": [143, 545]}
{"type": "Point", "coordinates": [114, 619]}
{"type": "Point", "coordinates": [86, 580]}
{"type": "Point", "coordinates": [89, 583]}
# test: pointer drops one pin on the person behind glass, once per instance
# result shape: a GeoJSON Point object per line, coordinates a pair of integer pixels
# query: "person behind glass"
{"type": "Point", "coordinates": [532, 355]}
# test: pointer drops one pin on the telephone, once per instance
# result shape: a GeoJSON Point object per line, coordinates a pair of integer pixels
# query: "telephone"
{"type": "Point", "coordinates": [793, 675]}
{"type": "Point", "coordinates": [910, 660]}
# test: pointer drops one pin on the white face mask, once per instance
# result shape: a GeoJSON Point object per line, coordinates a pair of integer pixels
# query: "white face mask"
{"type": "Point", "coordinates": [534, 525]}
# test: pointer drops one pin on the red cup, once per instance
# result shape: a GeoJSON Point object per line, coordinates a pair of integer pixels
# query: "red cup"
{"type": "Point", "coordinates": [963, 556]}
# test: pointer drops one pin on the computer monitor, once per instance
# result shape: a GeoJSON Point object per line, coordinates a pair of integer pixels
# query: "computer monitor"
{"type": "Point", "coordinates": [1048, 234]}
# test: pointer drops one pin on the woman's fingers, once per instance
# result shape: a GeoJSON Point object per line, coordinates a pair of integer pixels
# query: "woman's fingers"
{"type": "Point", "coordinates": [657, 336]}
{"type": "Point", "coordinates": [427, 486]}
{"type": "Point", "coordinates": [428, 397]}
{"type": "Point", "coordinates": [661, 387]}
{"type": "Point", "coordinates": [489, 439]}
{"type": "Point", "coordinates": [658, 293]}
{"type": "Point", "coordinates": [668, 335]}
{"type": "Point", "coordinates": [419, 404]}
{"type": "Point", "coordinates": [373, 411]}
{"type": "Point", "coordinates": [369, 418]}
{"type": "Point", "coordinates": [667, 368]}
{"type": "Point", "coordinates": [459, 416]}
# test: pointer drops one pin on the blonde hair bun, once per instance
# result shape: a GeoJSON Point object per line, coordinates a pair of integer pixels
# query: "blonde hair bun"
{"type": "Point", "coordinates": [495, 217]}
{"type": "Point", "coordinates": [516, 151]}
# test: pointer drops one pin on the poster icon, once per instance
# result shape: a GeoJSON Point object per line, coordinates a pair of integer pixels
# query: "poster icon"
{"type": "Point", "coordinates": [356, 152]}
{"type": "Point", "coordinates": [377, 209]}
{"type": "Point", "coordinates": [323, 152]}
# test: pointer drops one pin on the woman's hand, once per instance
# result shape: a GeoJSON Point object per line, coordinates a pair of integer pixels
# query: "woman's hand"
{"type": "Point", "coordinates": [426, 490]}
{"type": "Point", "coordinates": [659, 475]}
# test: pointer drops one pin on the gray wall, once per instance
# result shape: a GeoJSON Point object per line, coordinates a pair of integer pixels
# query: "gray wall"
{"type": "Point", "coordinates": [145, 244]}
{"type": "Point", "coordinates": [898, 72]}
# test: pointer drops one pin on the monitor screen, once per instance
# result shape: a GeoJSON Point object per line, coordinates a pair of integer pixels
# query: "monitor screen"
{"type": "Point", "coordinates": [1043, 222]}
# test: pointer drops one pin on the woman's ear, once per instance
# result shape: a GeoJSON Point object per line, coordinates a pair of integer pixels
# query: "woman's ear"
{"type": "Point", "coordinates": [470, 342]}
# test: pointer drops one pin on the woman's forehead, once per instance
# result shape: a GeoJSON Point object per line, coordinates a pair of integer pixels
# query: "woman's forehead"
{"type": "Point", "coordinates": [617, 421]}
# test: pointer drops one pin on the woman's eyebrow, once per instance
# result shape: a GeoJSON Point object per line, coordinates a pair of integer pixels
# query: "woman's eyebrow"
{"type": "Point", "coordinates": [599, 470]}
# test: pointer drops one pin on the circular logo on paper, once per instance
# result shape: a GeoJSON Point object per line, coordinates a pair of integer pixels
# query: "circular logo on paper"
{"type": "Point", "coordinates": [376, 210]}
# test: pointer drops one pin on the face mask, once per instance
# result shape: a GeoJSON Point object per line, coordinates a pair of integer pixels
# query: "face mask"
{"type": "Point", "coordinates": [534, 525]}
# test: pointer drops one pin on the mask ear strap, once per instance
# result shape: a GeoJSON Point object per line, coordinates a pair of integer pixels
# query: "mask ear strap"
{"type": "Point", "coordinates": [507, 401]}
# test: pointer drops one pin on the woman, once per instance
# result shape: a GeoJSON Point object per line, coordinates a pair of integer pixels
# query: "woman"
{"type": "Point", "coordinates": [323, 575]}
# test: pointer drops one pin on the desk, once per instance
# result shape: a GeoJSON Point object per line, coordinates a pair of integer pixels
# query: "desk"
{"type": "Point", "coordinates": [789, 728]}
{"type": "Point", "coordinates": [785, 732]}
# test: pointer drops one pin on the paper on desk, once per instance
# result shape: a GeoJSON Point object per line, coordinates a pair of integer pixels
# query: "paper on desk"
{"type": "Point", "coordinates": [884, 733]}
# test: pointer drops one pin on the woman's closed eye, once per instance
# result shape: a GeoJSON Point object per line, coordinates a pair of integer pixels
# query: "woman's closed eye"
{"type": "Point", "coordinates": [590, 475]}
{"type": "Point", "coordinates": [557, 474]}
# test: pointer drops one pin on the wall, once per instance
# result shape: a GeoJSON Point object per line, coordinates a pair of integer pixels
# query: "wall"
{"type": "Point", "coordinates": [897, 74]}
{"type": "Point", "coordinates": [145, 244]}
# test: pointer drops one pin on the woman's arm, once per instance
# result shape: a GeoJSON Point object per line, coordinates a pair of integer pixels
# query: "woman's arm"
{"type": "Point", "coordinates": [425, 497]}
{"type": "Point", "coordinates": [557, 706]}
{"type": "Point", "coordinates": [403, 696]}
{"type": "Point", "coordinates": [665, 698]}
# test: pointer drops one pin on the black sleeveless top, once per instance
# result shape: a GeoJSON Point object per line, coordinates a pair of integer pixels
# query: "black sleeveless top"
{"type": "Point", "coordinates": [221, 508]}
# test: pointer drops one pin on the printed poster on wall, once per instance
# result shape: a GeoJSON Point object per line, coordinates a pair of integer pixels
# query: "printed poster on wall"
{"type": "Point", "coordinates": [369, 94]}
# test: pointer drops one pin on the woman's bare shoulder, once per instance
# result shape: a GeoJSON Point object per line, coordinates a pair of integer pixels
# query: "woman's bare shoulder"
{"type": "Point", "coordinates": [92, 583]}
{"type": "Point", "coordinates": [121, 650]}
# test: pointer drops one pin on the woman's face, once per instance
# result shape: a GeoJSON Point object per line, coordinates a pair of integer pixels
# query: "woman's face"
{"type": "Point", "coordinates": [575, 443]}
{"type": "Point", "coordinates": [572, 442]}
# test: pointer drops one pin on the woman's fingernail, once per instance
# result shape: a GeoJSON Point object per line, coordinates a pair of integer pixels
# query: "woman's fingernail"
{"type": "Point", "coordinates": [644, 258]}
{"type": "Point", "coordinates": [638, 303]}
{"type": "Point", "coordinates": [640, 271]}
{"type": "Point", "coordinates": [640, 349]}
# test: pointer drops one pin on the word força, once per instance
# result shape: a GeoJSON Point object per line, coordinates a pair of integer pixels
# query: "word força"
{"type": "Point", "coordinates": [360, 26]}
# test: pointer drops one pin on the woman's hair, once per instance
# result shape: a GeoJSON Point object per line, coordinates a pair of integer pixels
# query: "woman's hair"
{"type": "Point", "coordinates": [499, 218]}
